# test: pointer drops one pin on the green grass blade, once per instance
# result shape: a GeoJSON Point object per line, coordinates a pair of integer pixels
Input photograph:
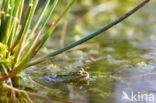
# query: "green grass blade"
{"type": "Point", "coordinates": [5, 20]}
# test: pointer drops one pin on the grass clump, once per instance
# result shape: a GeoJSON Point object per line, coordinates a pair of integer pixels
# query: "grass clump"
{"type": "Point", "coordinates": [20, 40]}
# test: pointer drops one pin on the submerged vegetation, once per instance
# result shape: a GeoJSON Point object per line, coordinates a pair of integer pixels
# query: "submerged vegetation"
{"type": "Point", "coordinates": [21, 39]}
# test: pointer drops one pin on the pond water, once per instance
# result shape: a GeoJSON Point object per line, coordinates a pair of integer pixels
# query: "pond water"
{"type": "Point", "coordinates": [119, 69]}
{"type": "Point", "coordinates": [123, 67]}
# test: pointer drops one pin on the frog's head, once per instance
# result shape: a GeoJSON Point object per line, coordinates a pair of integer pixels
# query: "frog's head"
{"type": "Point", "coordinates": [82, 74]}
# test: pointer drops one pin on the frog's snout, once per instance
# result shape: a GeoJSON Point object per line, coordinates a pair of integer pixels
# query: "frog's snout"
{"type": "Point", "coordinates": [86, 74]}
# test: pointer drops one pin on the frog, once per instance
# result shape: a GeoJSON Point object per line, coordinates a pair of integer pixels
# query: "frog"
{"type": "Point", "coordinates": [76, 76]}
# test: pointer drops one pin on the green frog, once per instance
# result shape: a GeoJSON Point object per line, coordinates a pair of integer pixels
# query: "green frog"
{"type": "Point", "coordinates": [77, 76]}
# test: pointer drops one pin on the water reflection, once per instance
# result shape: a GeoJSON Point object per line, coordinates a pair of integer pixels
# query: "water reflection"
{"type": "Point", "coordinates": [141, 87]}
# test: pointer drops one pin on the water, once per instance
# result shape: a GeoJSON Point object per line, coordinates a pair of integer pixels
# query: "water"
{"type": "Point", "coordinates": [122, 69]}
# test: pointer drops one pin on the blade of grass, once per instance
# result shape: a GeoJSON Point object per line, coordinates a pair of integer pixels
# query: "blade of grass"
{"type": "Point", "coordinates": [5, 20]}
{"type": "Point", "coordinates": [90, 36]}
{"type": "Point", "coordinates": [2, 5]}
{"type": "Point", "coordinates": [11, 10]}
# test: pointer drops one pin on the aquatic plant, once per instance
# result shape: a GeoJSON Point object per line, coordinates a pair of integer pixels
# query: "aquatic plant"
{"type": "Point", "coordinates": [20, 40]}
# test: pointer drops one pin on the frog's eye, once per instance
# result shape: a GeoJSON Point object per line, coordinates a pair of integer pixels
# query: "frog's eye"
{"type": "Point", "coordinates": [79, 72]}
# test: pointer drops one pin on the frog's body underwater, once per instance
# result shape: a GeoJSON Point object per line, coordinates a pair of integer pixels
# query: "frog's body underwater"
{"type": "Point", "coordinates": [77, 76]}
